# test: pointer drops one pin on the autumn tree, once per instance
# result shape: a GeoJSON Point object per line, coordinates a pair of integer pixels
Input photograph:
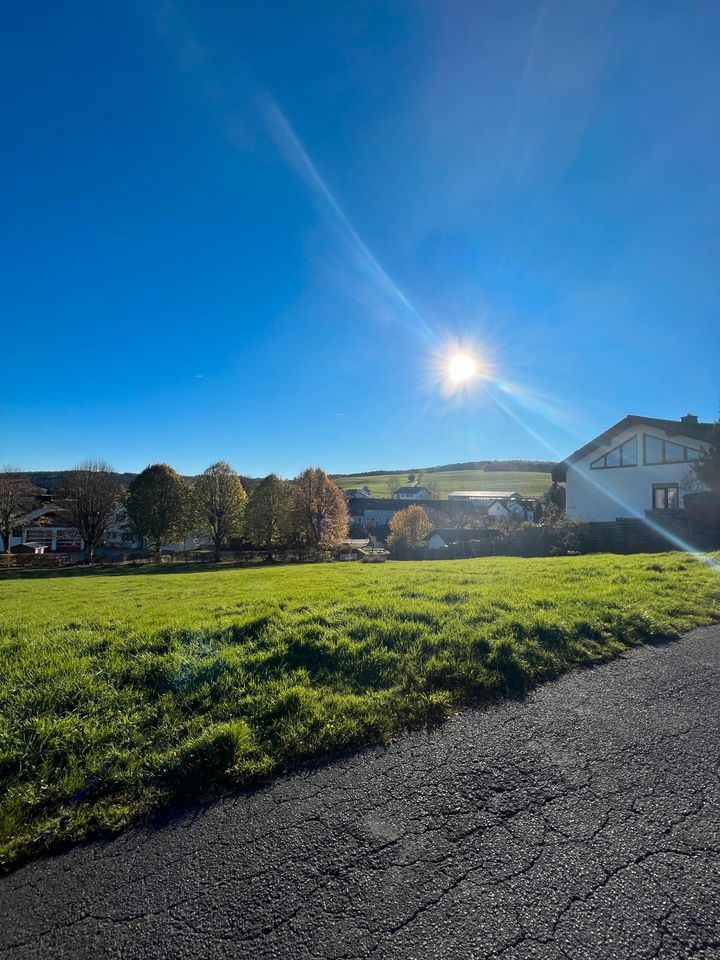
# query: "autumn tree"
{"type": "Point", "coordinates": [158, 505]}
{"type": "Point", "coordinates": [319, 510]}
{"type": "Point", "coordinates": [219, 500]}
{"type": "Point", "coordinates": [91, 495]}
{"type": "Point", "coordinates": [409, 529]}
{"type": "Point", "coordinates": [267, 518]}
{"type": "Point", "coordinates": [16, 498]}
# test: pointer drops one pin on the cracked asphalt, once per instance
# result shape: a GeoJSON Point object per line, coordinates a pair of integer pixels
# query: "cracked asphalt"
{"type": "Point", "coordinates": [583, 822]}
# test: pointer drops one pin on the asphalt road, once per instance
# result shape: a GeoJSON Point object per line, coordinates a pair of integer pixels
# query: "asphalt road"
{"type": "Point", "coordinates": [584, 822]}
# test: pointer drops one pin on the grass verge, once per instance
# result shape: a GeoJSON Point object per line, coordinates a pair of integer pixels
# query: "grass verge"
{"type": "Point", "coordinates": [123, 693]}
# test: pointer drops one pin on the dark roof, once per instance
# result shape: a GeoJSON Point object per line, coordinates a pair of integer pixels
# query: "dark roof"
{"type": "Point", "coordinates": [689, 427]}
{"type": "Point", "coordinates": [461, 536]}
{"type": "Point", "coordinates": [412, 487]}
{"type": "Point", "coordinates": [358, 505]}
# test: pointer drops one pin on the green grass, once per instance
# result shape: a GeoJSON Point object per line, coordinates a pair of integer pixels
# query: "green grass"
{"type": "Point", "coordinates": [528, 483]}
{"type": "Point", "coordinates": [120, 693]}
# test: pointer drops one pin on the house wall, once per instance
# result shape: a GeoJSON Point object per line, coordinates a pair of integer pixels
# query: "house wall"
{"type": "Point", "coordinates": [380, 517]}
{"type": "Point", "coordinates": [597, 495]}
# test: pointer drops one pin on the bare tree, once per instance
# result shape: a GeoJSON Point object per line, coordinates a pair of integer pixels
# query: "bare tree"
{"type": "Point", "coordinates": [16, 498]}
{"type": "Point", "coordinates": [220, 503]}
{"type": "Point", "coordinates": [92, 493]}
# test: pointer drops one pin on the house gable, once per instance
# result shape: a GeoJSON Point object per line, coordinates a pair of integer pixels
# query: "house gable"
{"type": "Point", "coordinates": [640, 465]}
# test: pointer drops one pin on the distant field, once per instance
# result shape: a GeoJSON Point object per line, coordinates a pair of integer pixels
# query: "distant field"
{"type": "Point", "coordinates": [121, 693]}
{"type": "Point", "coordinates": [525, 482]}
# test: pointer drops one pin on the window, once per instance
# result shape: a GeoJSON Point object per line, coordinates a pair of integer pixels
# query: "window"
{"type": "Point", "coordinates": [41, 535]}
{"type": "Point", "coordinates": [626, 455]}
{"type": "Point", "coordinates": [653, 449]}
{"type": "Point", "coordinates": [68, 538]}
{"type": "Point", "coordinates": [666, 496]}
{"type": "Point", "coordinates": [665, 451]}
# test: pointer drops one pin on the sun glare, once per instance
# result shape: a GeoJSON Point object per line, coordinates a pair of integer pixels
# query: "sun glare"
{"type": "Point", "coordinates": [462, 367]}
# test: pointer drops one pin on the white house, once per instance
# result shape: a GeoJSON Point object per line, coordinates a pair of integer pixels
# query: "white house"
{"type": "Point", "coordinates": [504, 509]}
{"type": "Point", "coordinates": [354, 492]}
{"type": "Point", "coordinates": [641, 466]}
{"type": "Point", "coordinates": [411, 492]}
{"type": "Point", "coordinates": [501, 504]}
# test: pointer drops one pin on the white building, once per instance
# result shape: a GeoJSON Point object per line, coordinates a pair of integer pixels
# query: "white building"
{"type": "Point", "coordinates": [411, 492]}
{"type": "Point", "coordinates": [484, 496]}
{"type": "Point", "coordinates": [639, 467]}
{"type": "Point", "coordinates": [354, 492]}
{"type": "Point", "coordinates": [501, 504]}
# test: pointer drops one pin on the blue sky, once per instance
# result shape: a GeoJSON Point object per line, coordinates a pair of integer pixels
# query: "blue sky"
{"type": "Point", "coordinates": [256, 232]}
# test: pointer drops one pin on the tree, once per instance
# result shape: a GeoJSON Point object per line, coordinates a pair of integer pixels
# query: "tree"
{"type": "Point", "coordinates": [16, 498]}
{"type": "Point", "coordinates": [707, 467]}
{"type": "Point", "coordinates": [409, 528]}
{"type": "Point", "coordinates": [555, 496]}
{"type": "Point", "coordinates": [158, 505]}
{"type": "Point", "coordinates": [267, 519]}
{"type": "Point", "coordinates": [92, 494]}
{"type": "Point", "coordinates": [319, 510]}
{"type": "Point", "coordinates": [219, 498]}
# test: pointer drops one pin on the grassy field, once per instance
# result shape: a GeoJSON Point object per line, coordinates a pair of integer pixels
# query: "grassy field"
{"type": "Point", "coordinates": [123, 692]}
{"type": "Point", "coordinates": [525, 482]}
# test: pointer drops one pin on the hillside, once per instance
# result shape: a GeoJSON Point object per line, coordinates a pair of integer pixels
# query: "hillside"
{"type": "Point", "coordinates": [534, 481]}
{"type": "Point", "coordinates": [528, 483]}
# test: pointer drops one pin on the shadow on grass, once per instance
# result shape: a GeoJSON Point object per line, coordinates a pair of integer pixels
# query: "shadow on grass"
{"type": "Point", "coordinates": [188, 806]}
{"type": "Point", "coordinates": [140, 569]}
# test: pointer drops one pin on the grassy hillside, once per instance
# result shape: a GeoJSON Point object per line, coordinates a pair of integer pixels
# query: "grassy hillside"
{"type": "Point", "coordinates": [530, 484]}
{"type": "Point", "coordinates": [120, 693]}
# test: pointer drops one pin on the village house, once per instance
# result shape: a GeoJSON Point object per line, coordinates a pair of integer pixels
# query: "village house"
{"type": "Point", "coordinates": [640, 467]}
{"type": "Point", "coordinates": [45, 527]}
{"type": "Point", "coordinates": [411, 492]}
{"type": "Point", "coordinates": [355, 492]}
{"type": "Point", "coordinates": [456, 514]}
{"type": "Point", "coordinates": [500, 504]}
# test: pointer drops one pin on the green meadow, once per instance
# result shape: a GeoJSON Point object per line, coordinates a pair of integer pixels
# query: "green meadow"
{"type": "Point", "coordinates": [525, 482]}
{"type": "Point", "coordinates": [122, 693]}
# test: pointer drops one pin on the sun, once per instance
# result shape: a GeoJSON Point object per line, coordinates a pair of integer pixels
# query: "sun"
{"type": "Point", "coordinates": [462, 367]}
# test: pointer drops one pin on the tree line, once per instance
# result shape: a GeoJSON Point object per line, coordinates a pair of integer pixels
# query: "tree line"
{"type": "Point", "coordinates": [491, 466]}
{"type": "Point", "coordinates": [309, 513]}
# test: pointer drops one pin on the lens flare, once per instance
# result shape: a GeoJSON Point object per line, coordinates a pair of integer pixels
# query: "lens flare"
{"type": "Point", "coordinates": [462, 367]}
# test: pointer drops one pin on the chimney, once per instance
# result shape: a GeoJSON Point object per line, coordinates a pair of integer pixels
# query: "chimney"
{"type": "Point", "coordinates": [689, 418]}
